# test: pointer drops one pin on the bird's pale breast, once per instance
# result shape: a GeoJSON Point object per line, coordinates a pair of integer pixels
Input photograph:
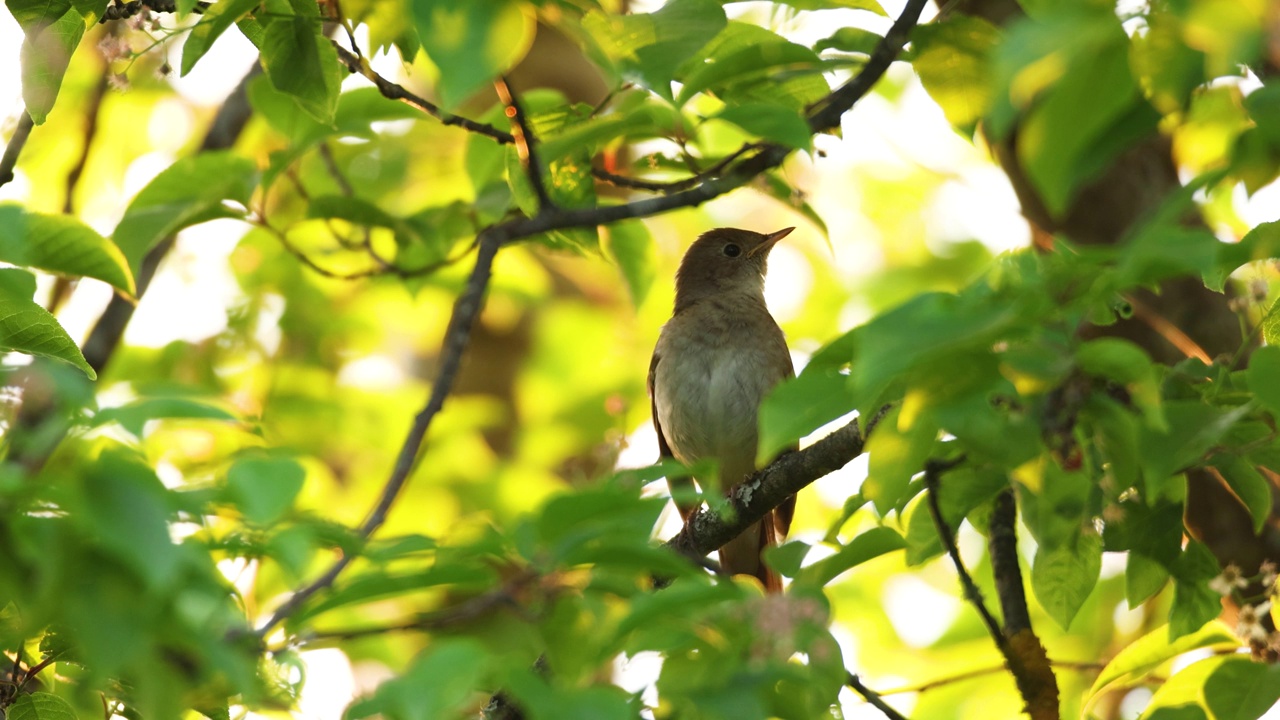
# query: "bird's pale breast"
{"type": "Point", "coordinates": [716, 367]}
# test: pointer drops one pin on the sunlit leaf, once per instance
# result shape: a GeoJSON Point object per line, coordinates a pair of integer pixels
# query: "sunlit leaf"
{"type": "Point", "coordinates": [215, 21]}
{"type": "Point", "coordinates": [1063, 577]}
{"type": "Point", "coordinates": [471, 41]}
{"type": "Point", "coordinates": [865, 546]}
{"type": "Point", "coordinates": [61, 244]}
{"type": "Point", "coordinates": [28, 328]}
{"type": "Point", "coordinates": [952, 59]}
{"type": "Point", "coordinates": [135, 415]}
{"type": "Point", "coordinates": [1146, 654]}
{"type": "Point", "coordinates": [798, 406]}
{"type": "Point", "coordinates": [264, 487]}
{"type": "Point", "coordinates": [48, 43]}
{"type": "Point", "coordinates": [301, 63]}
{"type": "Point", "coordinates": [439, 683]}
{"type": "Point", "coordinates": [190, 191]}
{"type": "Point", "coordinates": [648, 47]}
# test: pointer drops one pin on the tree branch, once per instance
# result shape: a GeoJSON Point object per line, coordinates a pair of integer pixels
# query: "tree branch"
{"type": "Point", "coordinates": [456, 337]}
{"type": "Point", "coordinates": [873, 698]}
{"type": "Point", "coordinates": [1023, 654]}
{"type": "Point", "coordinates": [707, 529]}
{"type": "Point", "coordinates": [1032, 671]}
{"type": "Point", "coordinates": [14, 148]}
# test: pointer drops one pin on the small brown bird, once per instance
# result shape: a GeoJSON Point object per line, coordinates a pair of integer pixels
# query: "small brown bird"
{"type": "Point", "coordinates": [716, 359]}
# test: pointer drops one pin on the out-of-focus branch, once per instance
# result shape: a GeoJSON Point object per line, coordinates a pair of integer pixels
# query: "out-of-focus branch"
{"type": "Point", "coordinates": [222, 133]}
{"type": "Point", "coordinates": [873, 698]}
{"type": "Point", "coordinates": [465, 310]}
{"type": "Point", "coordinates": [14, 148]}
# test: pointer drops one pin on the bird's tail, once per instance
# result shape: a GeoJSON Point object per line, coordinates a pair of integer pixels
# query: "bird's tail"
{"type": "Point", "coordinates": [742, 555]}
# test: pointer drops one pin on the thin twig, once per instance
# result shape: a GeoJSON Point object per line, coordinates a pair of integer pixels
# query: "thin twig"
{"type": "Point", "coordinates": [933, 470]}
{"type": "Point", "coordinates": [456, 337]}
{"type": "Point", "coordinates": [14, 148]}
{"type": "Point", "coordinates": [980, 672]}
{"type": "Point", "coordinates": [35, 669]}
{"type": "Point", "coordinates": [525, 141]}
{"type": "Point", "coordinates": [873, 698]}
{"type": "Point", "coordinates": [392, 91]}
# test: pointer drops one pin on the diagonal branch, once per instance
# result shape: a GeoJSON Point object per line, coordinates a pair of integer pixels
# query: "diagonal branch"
{"type": "Point", "coordinates": [707, 529]}
{"type": "Point", "coordinates": [1023, 654]}
{"type": "Point", "coordinates": [456, 337]}
{"type": "Point", "coordinates": [14, 148]}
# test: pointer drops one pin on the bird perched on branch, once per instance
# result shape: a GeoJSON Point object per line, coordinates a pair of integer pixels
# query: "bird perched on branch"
{"type": "Point", "coordinates": [715, 360]}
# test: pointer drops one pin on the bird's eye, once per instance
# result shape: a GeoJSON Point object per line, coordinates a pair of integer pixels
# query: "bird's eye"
{"type": "Point", "coordinates": [732, 250]}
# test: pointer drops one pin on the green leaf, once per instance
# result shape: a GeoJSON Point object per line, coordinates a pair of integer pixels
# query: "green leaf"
{"type": "Point", "coordinates": [126, 508]}
{"type": "Point", "coordinates": [1253, 490]}
{"type": "Point", "coordinates": [868, 5]}
{"type": "Point", "coordinates": [894, 454]}
{"type": "Point", "coordinates": [799, 406]}
{"type": "Point", "coordinates": [215, 21]}
{"type": "Point", "coordinates": [724, 67]}
{"type": "Point", "coordinates": [1123, 362]}
{"type": "Point", "coordinates": [301, 62]}
{"type": "Point", "coordinates": [630, 245]}
{"type": "Point", "coordinates": [927, 326]}
{"type": "Point", "coordinates": [647, 48]}
{"type": "Point", "coordinates": [1145, 655]}
{"type": "Point", "coordinates": [381, 584]}
{"type": "Point", "coordinates": [569, 183]}
{"type": "Point", "coordinates": [952, 59]}
{"type": "Point", "coordinates": [46, 51]}
{"type": "Point", "coordinates": [963, 491]}
{"type": "Point", "coordinates": [771, 122]}
{"type": "Point", "coordinates": [1143, 578]}
{"type": "Point", "coordinates": [61, 244]}
{"type": "Point", "coordinates": [850, 39]}
{"type": "Point", "coordinates": [866, 546]}
{"type": "Point", "coordinates": [753, 63]}
{"type": "Point", "coordinates": [189, 192]}
{"type": "Point", "coordinates": [28, 328]}
{"type": "Point", "coordinates": [41, 706]}
{"type": "Point", "coordinates": [1192, 429]}
{"type": "Point", "coordinates": [1264, 377]}
{"type": "Point", "coordinates": [649, 120]}
{"type": "Point", "coordinates": [283, 113]}
{"type": "Point", "coordinates": [1242, 689]}
{"type": "Point", "coordinates": [264, 487]}
{"type": "Point", "coordinates": [1194, 604]}
{"type": "Point", "coordinates": [441, 682]}
{"type": "Point", "coordinates": [135, 415]}
{"type": "Point", "coordinates": [358, 109]}
{"type": "Point", "coordinates": [1181, 697]}
{"type": "Point", "coordinates": [471, 41]}
{"type": "Point", "coordinates": [1260, 243]}
{"type": "Point", "coordinates": [787, 558]}
{"type": "Point", "coordinates": [779, 188]}
{"type": "Point", "coordinates": [1063, 577]}
{"type": "Point", "coordinates": [351, 209]}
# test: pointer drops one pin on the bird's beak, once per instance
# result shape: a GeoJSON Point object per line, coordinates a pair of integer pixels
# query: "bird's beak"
{"type": "Point", "coordinates": [769, 241]}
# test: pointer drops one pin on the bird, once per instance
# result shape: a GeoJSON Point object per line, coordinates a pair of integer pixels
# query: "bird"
{"type": "Point", "coordinates": [715, 360]}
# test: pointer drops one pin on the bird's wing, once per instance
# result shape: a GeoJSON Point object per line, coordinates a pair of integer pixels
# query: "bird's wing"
{"type": "Point", "coordinates": [680, 487]}
{"type": "Point", "coordinates": [663, 448]}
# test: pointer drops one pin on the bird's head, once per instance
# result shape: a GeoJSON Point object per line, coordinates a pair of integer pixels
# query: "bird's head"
{"type": "Point", "coordinates": [725, 261]}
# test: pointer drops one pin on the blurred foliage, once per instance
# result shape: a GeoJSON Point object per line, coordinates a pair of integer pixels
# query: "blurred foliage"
{"type": "Point", "coordinates": [155, 515]}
